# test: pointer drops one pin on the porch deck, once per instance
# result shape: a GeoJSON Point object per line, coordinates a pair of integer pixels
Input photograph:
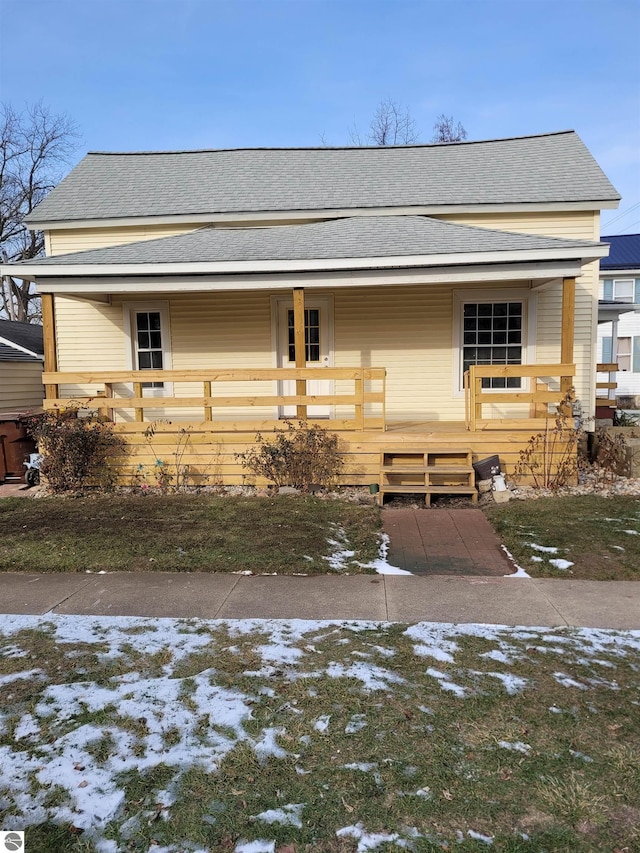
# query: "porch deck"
{"type": "Point", "coordinates": [209, 455]}
{"type": "Point", "coordinates": [209, 430]}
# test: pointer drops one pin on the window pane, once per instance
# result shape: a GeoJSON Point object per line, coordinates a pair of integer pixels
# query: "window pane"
{"type": "Point", "coordinates": [155, 339]}
{"type": "Point", "coordinates": [156, 360]}
{"type": "Point", "coordinates": [144, 360]}
{"type": "Point", "coordinates": [154, 321]}
{"type": "Point", "coordinates": [143, 340]}
{"type": "Point", "coordinates": [624, 346]}
{"type": "Point", "coordinates": [487, 329]}
{"type": "Point", "coordinates": [142, 321]}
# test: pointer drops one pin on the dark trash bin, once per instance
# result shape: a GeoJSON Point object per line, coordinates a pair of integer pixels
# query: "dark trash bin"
{"type": "Point", "coordinates": [15, 447]}
{"type": "Point", "coordinates": [486, 468]}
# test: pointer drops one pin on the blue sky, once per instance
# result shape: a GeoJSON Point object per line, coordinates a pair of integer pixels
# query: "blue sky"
{"type": "Point", "coordinates": [167, 74]}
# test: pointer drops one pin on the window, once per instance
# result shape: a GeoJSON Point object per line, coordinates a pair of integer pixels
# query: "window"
{"type": "Point", "coordinates": [628, 355]}
{"type": "Point", "coordinates": [148, 343]}
{"type": "Point", "coordinates": [621, 290]}
{"type": "Point", "coordinates": [311, 334]}
{"type": "Point", "coordinates": [492, 333]}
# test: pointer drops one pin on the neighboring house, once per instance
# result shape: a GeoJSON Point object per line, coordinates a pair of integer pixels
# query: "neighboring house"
{"type": "Point", "coordinates": [416, 296]}
{"type": "Point", "coordinates": [619, 327]}
{"type": "Point", "coordinates": [21, 358]}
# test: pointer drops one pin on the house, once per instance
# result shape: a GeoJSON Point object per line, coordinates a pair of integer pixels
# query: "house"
{"type": "Point", "coordinates": [21, 358]}
{"type": "Point", "coordinates": [422, 296]}
{"type": "Point", "coordinates": [619, 320]}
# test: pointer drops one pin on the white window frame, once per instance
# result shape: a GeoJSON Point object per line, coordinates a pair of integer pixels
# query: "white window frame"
{"type": "Point", "coordinates": [130, 309]}
{"type": "Point", "coordinates": [627, 281]}
{"type": "Point", "coordinates": [462, 297]}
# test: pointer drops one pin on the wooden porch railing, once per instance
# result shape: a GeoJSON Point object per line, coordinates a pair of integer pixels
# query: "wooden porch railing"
{"type": "Point", "coordinates": [110, 399]}
{"type": "Point", "coordinates": [611, 368]}
{"type": "Point", "coordinates": [539, 395]}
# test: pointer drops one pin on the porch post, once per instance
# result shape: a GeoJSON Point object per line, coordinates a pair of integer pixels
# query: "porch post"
{"type": "Point", "coordinates": [300, 346]}
{"type": "Point", "coordinates": [568, 329]}
{"type": "Point", "coordinates": [49, 340]}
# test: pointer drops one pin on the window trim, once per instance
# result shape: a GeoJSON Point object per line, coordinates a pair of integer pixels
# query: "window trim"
{"type": "Point", "coordinates": [529, 303]}
{"type": "Point", "coordinates": [130, 309]}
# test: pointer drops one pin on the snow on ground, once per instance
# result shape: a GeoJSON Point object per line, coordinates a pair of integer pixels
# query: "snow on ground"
{"type": "Point", "coordinates": [170, 709]}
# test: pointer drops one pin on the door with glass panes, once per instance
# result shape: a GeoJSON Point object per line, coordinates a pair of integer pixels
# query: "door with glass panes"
{"type": "Point", "coordinates": [149, 347]}
{"type": "Point", "coordinates": [318, 339]}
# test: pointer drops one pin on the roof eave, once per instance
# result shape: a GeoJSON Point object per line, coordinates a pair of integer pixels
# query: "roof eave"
{"type": "Point", "coordinates": [211, 217]}
{"type": "Point", "coordinates": [30, 272]}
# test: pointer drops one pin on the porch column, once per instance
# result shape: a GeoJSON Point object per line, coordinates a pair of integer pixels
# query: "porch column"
{"type": "Point", "coordinates": [300, 346]}
{"type": "Point", "coordinates": [49, 340]}
{"type": "Point", "coordinates": [568, 328]}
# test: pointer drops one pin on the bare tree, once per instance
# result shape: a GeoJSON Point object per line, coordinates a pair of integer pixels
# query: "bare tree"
{"type": "Point", "coordinates": [34, 147]}
{"type": "Point", "coordinates": [447, 130]}
{"type": "Point", "coordinates": [392, 124]}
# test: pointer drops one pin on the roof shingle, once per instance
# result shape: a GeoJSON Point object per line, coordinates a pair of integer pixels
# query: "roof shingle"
{"type": "Point", "coordinates": [535, 169]}
{"type": "Point", "coordinates": [355, 237]}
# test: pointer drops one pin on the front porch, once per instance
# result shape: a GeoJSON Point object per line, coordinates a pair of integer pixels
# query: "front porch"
{"type": "Point", "coordinates": [202, 435]}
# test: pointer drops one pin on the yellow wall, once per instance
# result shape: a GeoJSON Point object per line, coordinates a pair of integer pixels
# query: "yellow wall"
{"type": "Point", "coordinates": [20, 385]}
{"type": "Point", "coordinates": [62, 241]}
{"type": "Point", "coordinates": [408, 330]}
{"type": "Point", "coordinates": [583, 225]}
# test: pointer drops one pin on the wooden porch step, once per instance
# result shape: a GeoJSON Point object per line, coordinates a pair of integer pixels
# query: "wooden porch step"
{"type": "Point", "coordinates": [425, 469]}
{"type": "Point", "coordinates": [422, 470]}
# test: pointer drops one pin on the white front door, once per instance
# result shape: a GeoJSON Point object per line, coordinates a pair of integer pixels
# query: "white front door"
{"type": "Point", "coordinates": [318, 333]}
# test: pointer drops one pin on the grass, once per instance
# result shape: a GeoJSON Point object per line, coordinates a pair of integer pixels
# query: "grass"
{"type": "Point", "coordinates": [600, 536]}
{"type": "Point", "coordinates": [184, 533]}
{"type": "Point", "coordinates": [291, 534]}
{"type": "Point", "coordinates": [369, 739]}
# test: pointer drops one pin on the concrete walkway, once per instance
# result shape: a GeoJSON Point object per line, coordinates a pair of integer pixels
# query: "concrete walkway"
{"type": "Point", "coordinates": [494, 600]}
{"type": "Point", "coordinates": [444, 542]}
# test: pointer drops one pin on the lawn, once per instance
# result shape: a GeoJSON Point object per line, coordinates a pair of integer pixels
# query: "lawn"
{"type": "Point", "coordinates": [288, 534]}
{"type": "Point", "coordinates": [128, 734]}
{"type": "Point", "coordinates": [599, 537]}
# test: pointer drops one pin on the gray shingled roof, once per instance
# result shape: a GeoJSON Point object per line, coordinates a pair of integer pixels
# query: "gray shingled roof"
{"type": "Point", "coordinates": [8, 353]}
{"type": "Point", "coordinates": [27, 335]}
{"type": "Point", "coordinates": [535, 169]}
{"type": "Point", "coordinates": [356, 237]}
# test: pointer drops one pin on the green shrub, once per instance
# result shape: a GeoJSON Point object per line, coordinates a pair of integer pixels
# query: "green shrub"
{"type": "Point", "coordinates": [299, 456]}
{"type": "Point", "coordinates": [75, 449]}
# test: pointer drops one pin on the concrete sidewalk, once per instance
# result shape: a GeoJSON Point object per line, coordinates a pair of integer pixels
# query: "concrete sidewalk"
{"type": "Point", "coordinates": [493, 600]}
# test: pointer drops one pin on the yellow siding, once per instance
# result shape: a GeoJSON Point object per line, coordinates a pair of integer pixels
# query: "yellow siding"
{"type": "Point", "coordinates": [65, 240]}
{"type": "Point", "coordinates": [408, 330]}
{"type": "Point", "coordinates": [575, 223]}
{"type": "Point", "coordinates": [583, 225]}
{"type": "Point", "coordinates": [20, 385]}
